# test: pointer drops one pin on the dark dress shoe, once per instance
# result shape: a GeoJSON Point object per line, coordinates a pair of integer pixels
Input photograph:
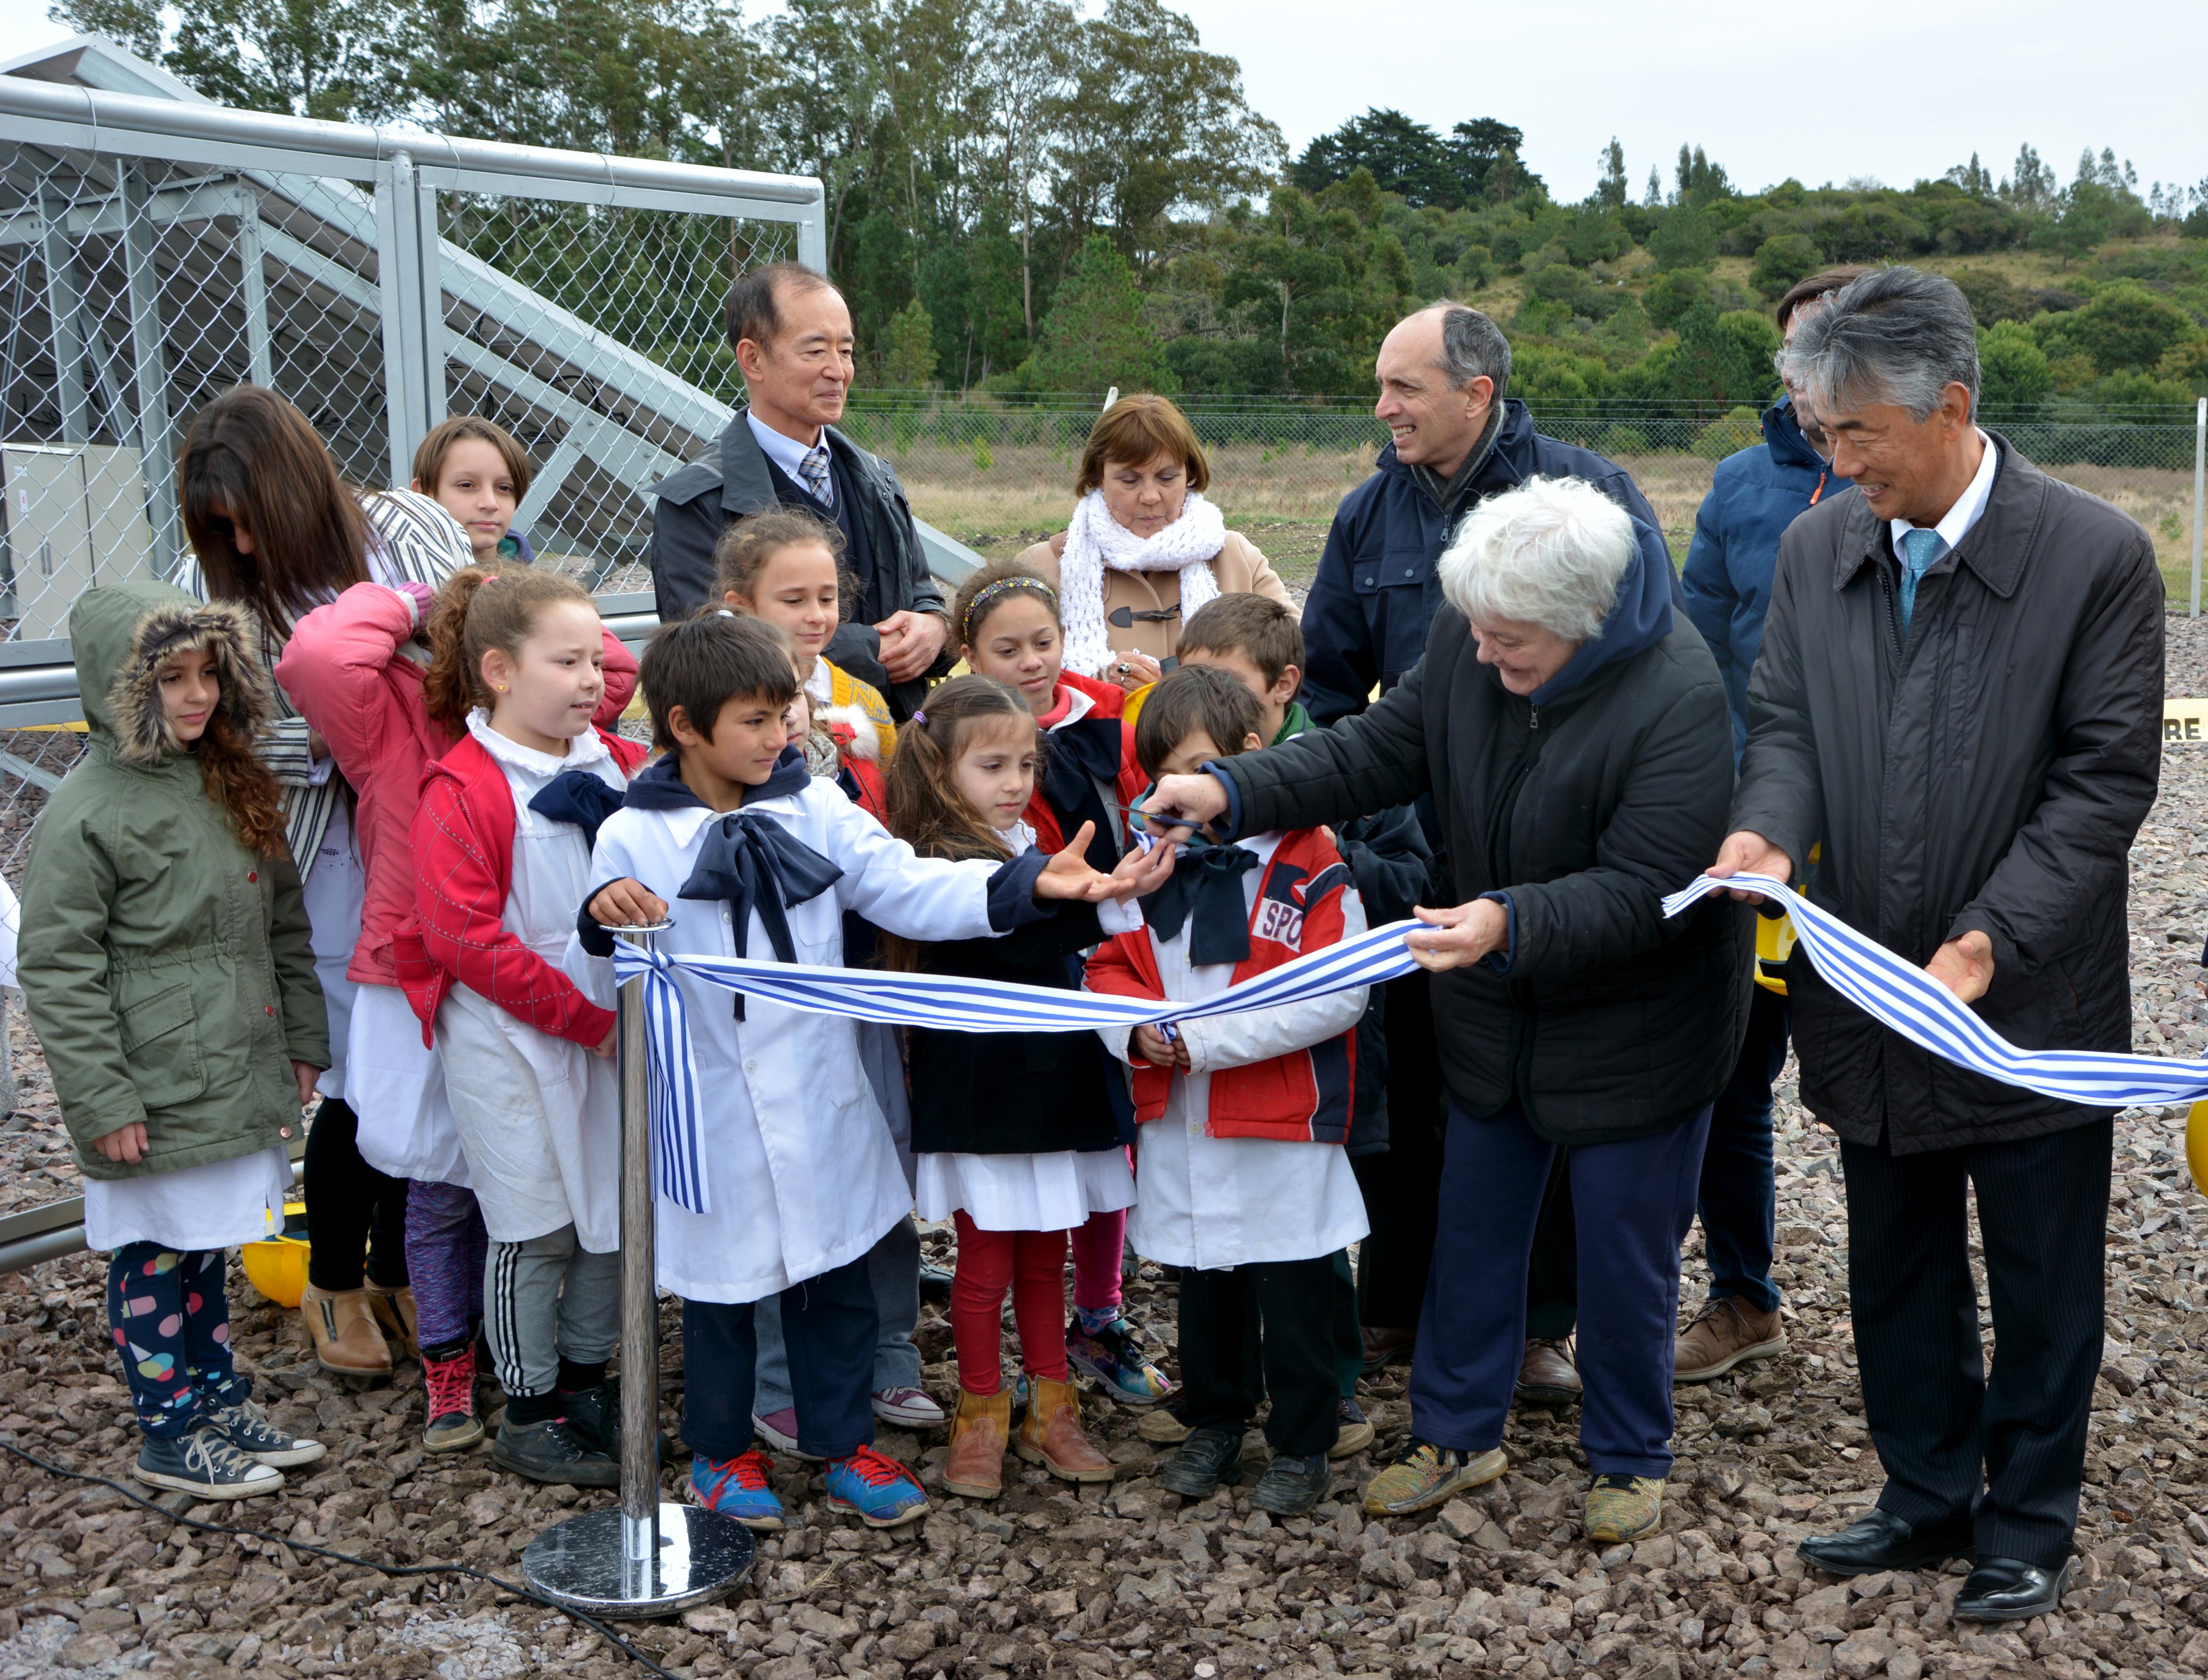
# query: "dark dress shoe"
{"type": "Point", "coordinates": [2006, 1589]}
{"type": "Point", "coordinates": [1882, 1541]}
{"type": "Point", "coordinates": [935, 1285]}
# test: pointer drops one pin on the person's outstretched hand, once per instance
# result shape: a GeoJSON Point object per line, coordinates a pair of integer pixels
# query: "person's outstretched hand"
{"type": "Point", "coordinates": [1965, 966]}
{"type": "Point", "coordinates": [1184, 803]}
{"type": "Point", "coordinates": [1142, 871]}
{"type": "Point", "coordinates": [1458, 936]}
{"type": "Point", "coordinates": [1067, 876]}
{"type": "Point", "coordinates": [1748, 852]}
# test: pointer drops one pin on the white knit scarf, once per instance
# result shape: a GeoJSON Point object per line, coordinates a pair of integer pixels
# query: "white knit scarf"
{"type": "Point", "coordinates": [1094, 540]}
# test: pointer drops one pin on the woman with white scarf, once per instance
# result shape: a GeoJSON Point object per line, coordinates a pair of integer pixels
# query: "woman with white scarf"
{"type": "Point", "coordinates": [1144, 549]}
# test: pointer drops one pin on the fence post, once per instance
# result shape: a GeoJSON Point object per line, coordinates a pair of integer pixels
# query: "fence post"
{"type": "Point", "coordinates": [407, 274]}
{"type": "Point", "coordinates": [63, 296]}
{"type": "Point", "coordinates": [813, 234]}
{"type": "Point", "coordinates": [2199, 478]}
{"type": "Point", "coordinates": [252, 286]}
{"type": "Point", "coordinates": [149, 364]}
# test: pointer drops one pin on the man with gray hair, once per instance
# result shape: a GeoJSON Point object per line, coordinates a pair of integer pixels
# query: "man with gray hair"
{"type": "Point", "coordinates": [1453, 440]}
{"type": "Point", "coordinates": [1959, 697]}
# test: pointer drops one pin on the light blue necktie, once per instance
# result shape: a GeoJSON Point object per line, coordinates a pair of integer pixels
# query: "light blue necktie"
{"type": "Point", "coordinates": [1919, 549]}
{"type": "Point", "coordinates": [813, 470]}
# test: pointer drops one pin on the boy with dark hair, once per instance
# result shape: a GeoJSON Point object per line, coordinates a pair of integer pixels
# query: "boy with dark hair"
{"type": "Point", "coordinates": [731, 837]}
{"type": "Point", "coordinates": [1241, 1118]}
{"type": "Point", "coordinates": [1260, 643]}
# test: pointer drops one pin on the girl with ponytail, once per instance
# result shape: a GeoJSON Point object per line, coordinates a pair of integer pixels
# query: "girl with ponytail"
{"type": "Point", "coordinates": [1015, 1136]}
{"type": "Point", "coordinates": [359, 670]}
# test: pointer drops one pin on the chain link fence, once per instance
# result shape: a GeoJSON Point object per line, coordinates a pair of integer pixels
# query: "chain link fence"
{"type": "Point", "coordinates": [157, 251]}
{"type": "Point", "coordinates": [999, 474]}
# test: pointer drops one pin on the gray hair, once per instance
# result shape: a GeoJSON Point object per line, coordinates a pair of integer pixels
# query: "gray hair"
{"type": "Point", "coordinates": [1897, 335]}
{"type": "Point", "coordinates": [1552, 553]}
{"type": "Point", "coordinates": [1472, 345]}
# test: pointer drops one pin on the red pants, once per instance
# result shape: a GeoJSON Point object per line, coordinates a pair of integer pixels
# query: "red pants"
{"type": "Point", "coordinates": [1096, 1248]}
{"type": "Point", "coordinates": [1031, 1264]}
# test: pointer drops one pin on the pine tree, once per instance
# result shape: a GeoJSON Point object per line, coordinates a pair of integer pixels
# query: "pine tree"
{"type": "Point", "coordinates": [1093, 337]}
{"type": "Point", "coordinates": [1611, 191]}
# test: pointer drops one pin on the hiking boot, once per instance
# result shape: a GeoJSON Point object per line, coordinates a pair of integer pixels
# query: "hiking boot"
{"type": "Point", "coordinates": [1210, 1455]}
{"type": "Point", "coordinates": [341, 1328]}
{"type": "Point", "coordinates": [1292, 1486]}
{"type": "Point", "coordinates": [1624, 1508]}
{"type": "Point", "coordinates": [247, 1428]}
{"type": "Point", "coordinates": [908, 1408]}
{"type": "Point", "coordinates": [1162, 1427]}
{"type": "Point", "coordinates": [1050, 1435]}
{"type": "Point", "coordinates": [1115, 1359]}
{"type": "Point", "coordinates": [1353, 1431]}
{"type": "Point", "coordinates": [395, 1315]}
{"type": "Point", "coordinates": [1726, 1333]}
{"type": "Point", "coordinates": [202, 1462]}
{"type": "Point", "coordinates": [979, 1432]}
{"type": "Point", "coordinates": [738, 1488]}
{"type": "Point", "coordinates": [1386, 1348]}
{"type": "Point", "coordinates": [1547, 1376]}
{"type": "Point", "coordinates": [552, 1452]}
{"type": "Point", "coordinates": [448, 1406]}
{"type": "Point", "coordinates": [879, 1490]}
{"type": "Point", "coordinates": [1423, 1475]}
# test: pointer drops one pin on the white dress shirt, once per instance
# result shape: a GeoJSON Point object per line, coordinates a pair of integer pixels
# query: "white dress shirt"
{"type": "Point", "coordinates": [785, 451]}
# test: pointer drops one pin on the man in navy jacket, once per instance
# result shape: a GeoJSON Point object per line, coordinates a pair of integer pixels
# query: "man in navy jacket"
{"type": "Point", "coordinates": [1754, 496]}
{"type": "Point", "coordinates": [1453, 440]}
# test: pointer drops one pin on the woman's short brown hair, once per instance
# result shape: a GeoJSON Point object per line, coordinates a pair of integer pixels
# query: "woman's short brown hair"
{"type": "Point", "coordinates": [430, 454]}
{"type": "Point", "coordinates": [1138, 430]}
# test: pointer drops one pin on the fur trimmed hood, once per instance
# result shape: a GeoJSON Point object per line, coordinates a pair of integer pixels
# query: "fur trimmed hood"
{"type": "Point", "coordinates": [120, 635]}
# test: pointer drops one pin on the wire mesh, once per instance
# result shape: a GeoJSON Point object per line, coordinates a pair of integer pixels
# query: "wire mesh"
{"type": "Point", "coordinates": [606, 356]}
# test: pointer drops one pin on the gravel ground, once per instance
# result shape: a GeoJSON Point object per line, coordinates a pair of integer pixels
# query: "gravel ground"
{"type": "Point", "coordinates": [1126, 1580]}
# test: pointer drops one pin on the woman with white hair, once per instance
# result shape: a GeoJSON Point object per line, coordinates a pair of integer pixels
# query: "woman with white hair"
{"type": "Point", "coordinates": [1572, 731]}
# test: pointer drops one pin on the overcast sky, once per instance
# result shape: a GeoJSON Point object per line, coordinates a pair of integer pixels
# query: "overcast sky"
{"type": "Point", "coordinates": [1897, 89]}
{"type": "Point", "coordinates": [1894, 89]}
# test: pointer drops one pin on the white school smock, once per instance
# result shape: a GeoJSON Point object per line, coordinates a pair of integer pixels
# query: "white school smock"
{"type": "Point", "coordinates": [398, 1087]}
{"type": "Point", "coordinates": [1216, 1201]}
{"type": "Point", "coordinates": [216, 1204]}
{"type": "Point", "coordinates": [800, 1171]}
{"type": "Point", "coordinates": [1050, 1191]}
{"type": "Point", "coordinates": [539, 1117]}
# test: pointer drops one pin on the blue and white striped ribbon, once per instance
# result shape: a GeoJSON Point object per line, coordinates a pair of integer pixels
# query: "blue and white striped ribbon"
{"type": "Point", "coordinates": [943, 1001]}
{"type": "Point", "coordinates": [1899, 994]}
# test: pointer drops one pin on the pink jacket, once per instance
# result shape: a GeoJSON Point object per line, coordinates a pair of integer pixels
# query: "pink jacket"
{"type": "Point", "coordinates": [350, 673]}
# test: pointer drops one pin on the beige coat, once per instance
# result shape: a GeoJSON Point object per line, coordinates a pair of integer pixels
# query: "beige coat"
{"type": "Point", "coordinates": [1240, 569]}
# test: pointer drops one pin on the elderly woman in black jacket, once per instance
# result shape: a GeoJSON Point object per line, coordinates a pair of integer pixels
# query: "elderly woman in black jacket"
{"type": "Point", "coordinates": [1573, 733]}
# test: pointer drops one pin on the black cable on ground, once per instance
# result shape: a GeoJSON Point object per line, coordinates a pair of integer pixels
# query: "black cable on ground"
{"type": "Point", "coordinates": [519, 1592]}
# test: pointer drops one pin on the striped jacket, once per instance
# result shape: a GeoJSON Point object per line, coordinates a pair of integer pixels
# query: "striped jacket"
{"type": "Point", "coordinates": [1306, 1096]}
{"type": "Point", "coordinates": [412, 539]}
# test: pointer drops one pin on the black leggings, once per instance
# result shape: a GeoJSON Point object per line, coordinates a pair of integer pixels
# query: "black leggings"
{"type": "Point", "coordinates": [352, 1209]}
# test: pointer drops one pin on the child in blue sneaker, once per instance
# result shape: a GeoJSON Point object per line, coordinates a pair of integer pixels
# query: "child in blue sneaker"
{"type": "Point", "coordinates": [731, 836]}
{"type": "Point", "coordinates": [164, 956]}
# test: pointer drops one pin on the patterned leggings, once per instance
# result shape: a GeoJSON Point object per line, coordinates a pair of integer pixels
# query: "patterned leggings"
{"type": "Point", "coordinates": [171, 1322]}
{"type": "Point", "coordinates": [446, 1247]}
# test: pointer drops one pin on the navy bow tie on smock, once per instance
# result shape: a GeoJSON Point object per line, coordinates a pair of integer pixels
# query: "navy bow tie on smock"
{"type": "Point", "coordinates": [755, 864]}
{"type": "Point", "coordinates": [580, 797]}
{"type": "Point", "coordinates": [1205, 892]}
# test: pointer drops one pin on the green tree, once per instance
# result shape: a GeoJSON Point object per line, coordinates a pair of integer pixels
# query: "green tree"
{"type": "Point", "coordinates": [1674, 293]}
{"type": "Point", "coordinates": [1711, 363]}
{"type": "Point", "coordinates": [909, 355]}
{"type": "Point", "coordinates": [2013, 370]}
{"type": "Point", "coordinates": [1683, 238]}
{"type": "Point", "coordinates": [135, 23]}
{"type": "Point", "coordinates": [1612, 190]}
{"type": "Point", "coordinates": [338, 60]}
{"type": "Point", "coordinates": [1404, 157]}
{"type": "Point", "coordinates": [1783, 260]}
{"type": "Point", "coordinates": [1093, 337]}
{"type": "Point", "coordinates": [2125, 329]}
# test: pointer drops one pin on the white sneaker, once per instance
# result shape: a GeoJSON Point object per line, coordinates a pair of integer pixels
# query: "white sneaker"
{"type": "Point", "coordinates": [911, 1409]}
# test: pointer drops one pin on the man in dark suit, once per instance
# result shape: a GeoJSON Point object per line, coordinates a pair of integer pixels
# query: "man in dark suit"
{"type": "Point", "coordinates": [792, 333]}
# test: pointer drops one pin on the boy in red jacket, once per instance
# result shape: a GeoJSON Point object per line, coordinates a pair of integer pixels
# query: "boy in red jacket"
{"type": "Point", "coordinates": [1241, 1119]}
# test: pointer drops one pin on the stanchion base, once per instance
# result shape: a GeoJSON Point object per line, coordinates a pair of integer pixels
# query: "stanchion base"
{"type": "Point", "coordinates": [702, 1555]}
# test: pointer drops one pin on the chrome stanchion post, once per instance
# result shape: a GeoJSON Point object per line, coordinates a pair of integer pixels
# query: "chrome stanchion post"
{"type": "Point", "coordinates": [642, 1557]}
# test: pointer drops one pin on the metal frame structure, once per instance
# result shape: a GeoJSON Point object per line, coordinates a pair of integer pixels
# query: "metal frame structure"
{"type": "Point", "coordinates": [294, 190]}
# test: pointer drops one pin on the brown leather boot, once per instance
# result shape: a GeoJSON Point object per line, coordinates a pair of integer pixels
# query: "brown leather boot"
{"type": "Point", "coordinates": [979, 1431]}
{"type": "Point", "coordinates": [342, 1327]}
{"type": "Point", "coordinates": [395, 1315]}
{"type": "Point", "coordinates": [1050, 1435]}
{"type": "Point", "coordinates": [1726, 1333]}
{"type": "Point", "coordinates": [1547, 1376]}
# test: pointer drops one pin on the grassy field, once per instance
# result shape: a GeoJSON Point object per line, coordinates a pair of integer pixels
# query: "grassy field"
{"type": "Point", "coordinates": [1283, 499]}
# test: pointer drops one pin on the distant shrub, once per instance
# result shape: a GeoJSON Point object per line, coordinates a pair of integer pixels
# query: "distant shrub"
{"type": "Point", "coordinates": [1737, 430]}
{"type": "Point", "coordinates": [1782, 260]}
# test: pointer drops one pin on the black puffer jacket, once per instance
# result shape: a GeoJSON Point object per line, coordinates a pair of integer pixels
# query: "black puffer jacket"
{"type": "Point", "coordinates": [1586, 804]}
{"type": "Point", "coordinates": [1988, 771]}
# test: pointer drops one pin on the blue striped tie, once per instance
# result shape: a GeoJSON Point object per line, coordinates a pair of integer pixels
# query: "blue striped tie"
{"type": "Point", "coordinates": [1919, 549]}
{"type": "Point", "coordinates": [813, 470]}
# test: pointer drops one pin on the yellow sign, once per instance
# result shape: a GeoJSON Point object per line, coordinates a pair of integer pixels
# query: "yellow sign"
{"type": "Point", "coordinates": [2184, 720]}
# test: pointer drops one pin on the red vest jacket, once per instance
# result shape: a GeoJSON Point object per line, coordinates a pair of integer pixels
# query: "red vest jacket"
{"type": "Point", "coordinates": [1304, 1097]}
{"type": "Point", "coordinates": [463, 844]}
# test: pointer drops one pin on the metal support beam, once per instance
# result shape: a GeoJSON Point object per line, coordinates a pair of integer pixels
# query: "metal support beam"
{"type": "Point", "coordinates": [156, 455]}
{"type": "Point", "coordinates": [812, 237]}
{"type": "Point", "coordinates": [412, 302]}
{"type": "Point", "coordinates": [253, 289]}
{"type": "Point", "coordinates": [64, 298]}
